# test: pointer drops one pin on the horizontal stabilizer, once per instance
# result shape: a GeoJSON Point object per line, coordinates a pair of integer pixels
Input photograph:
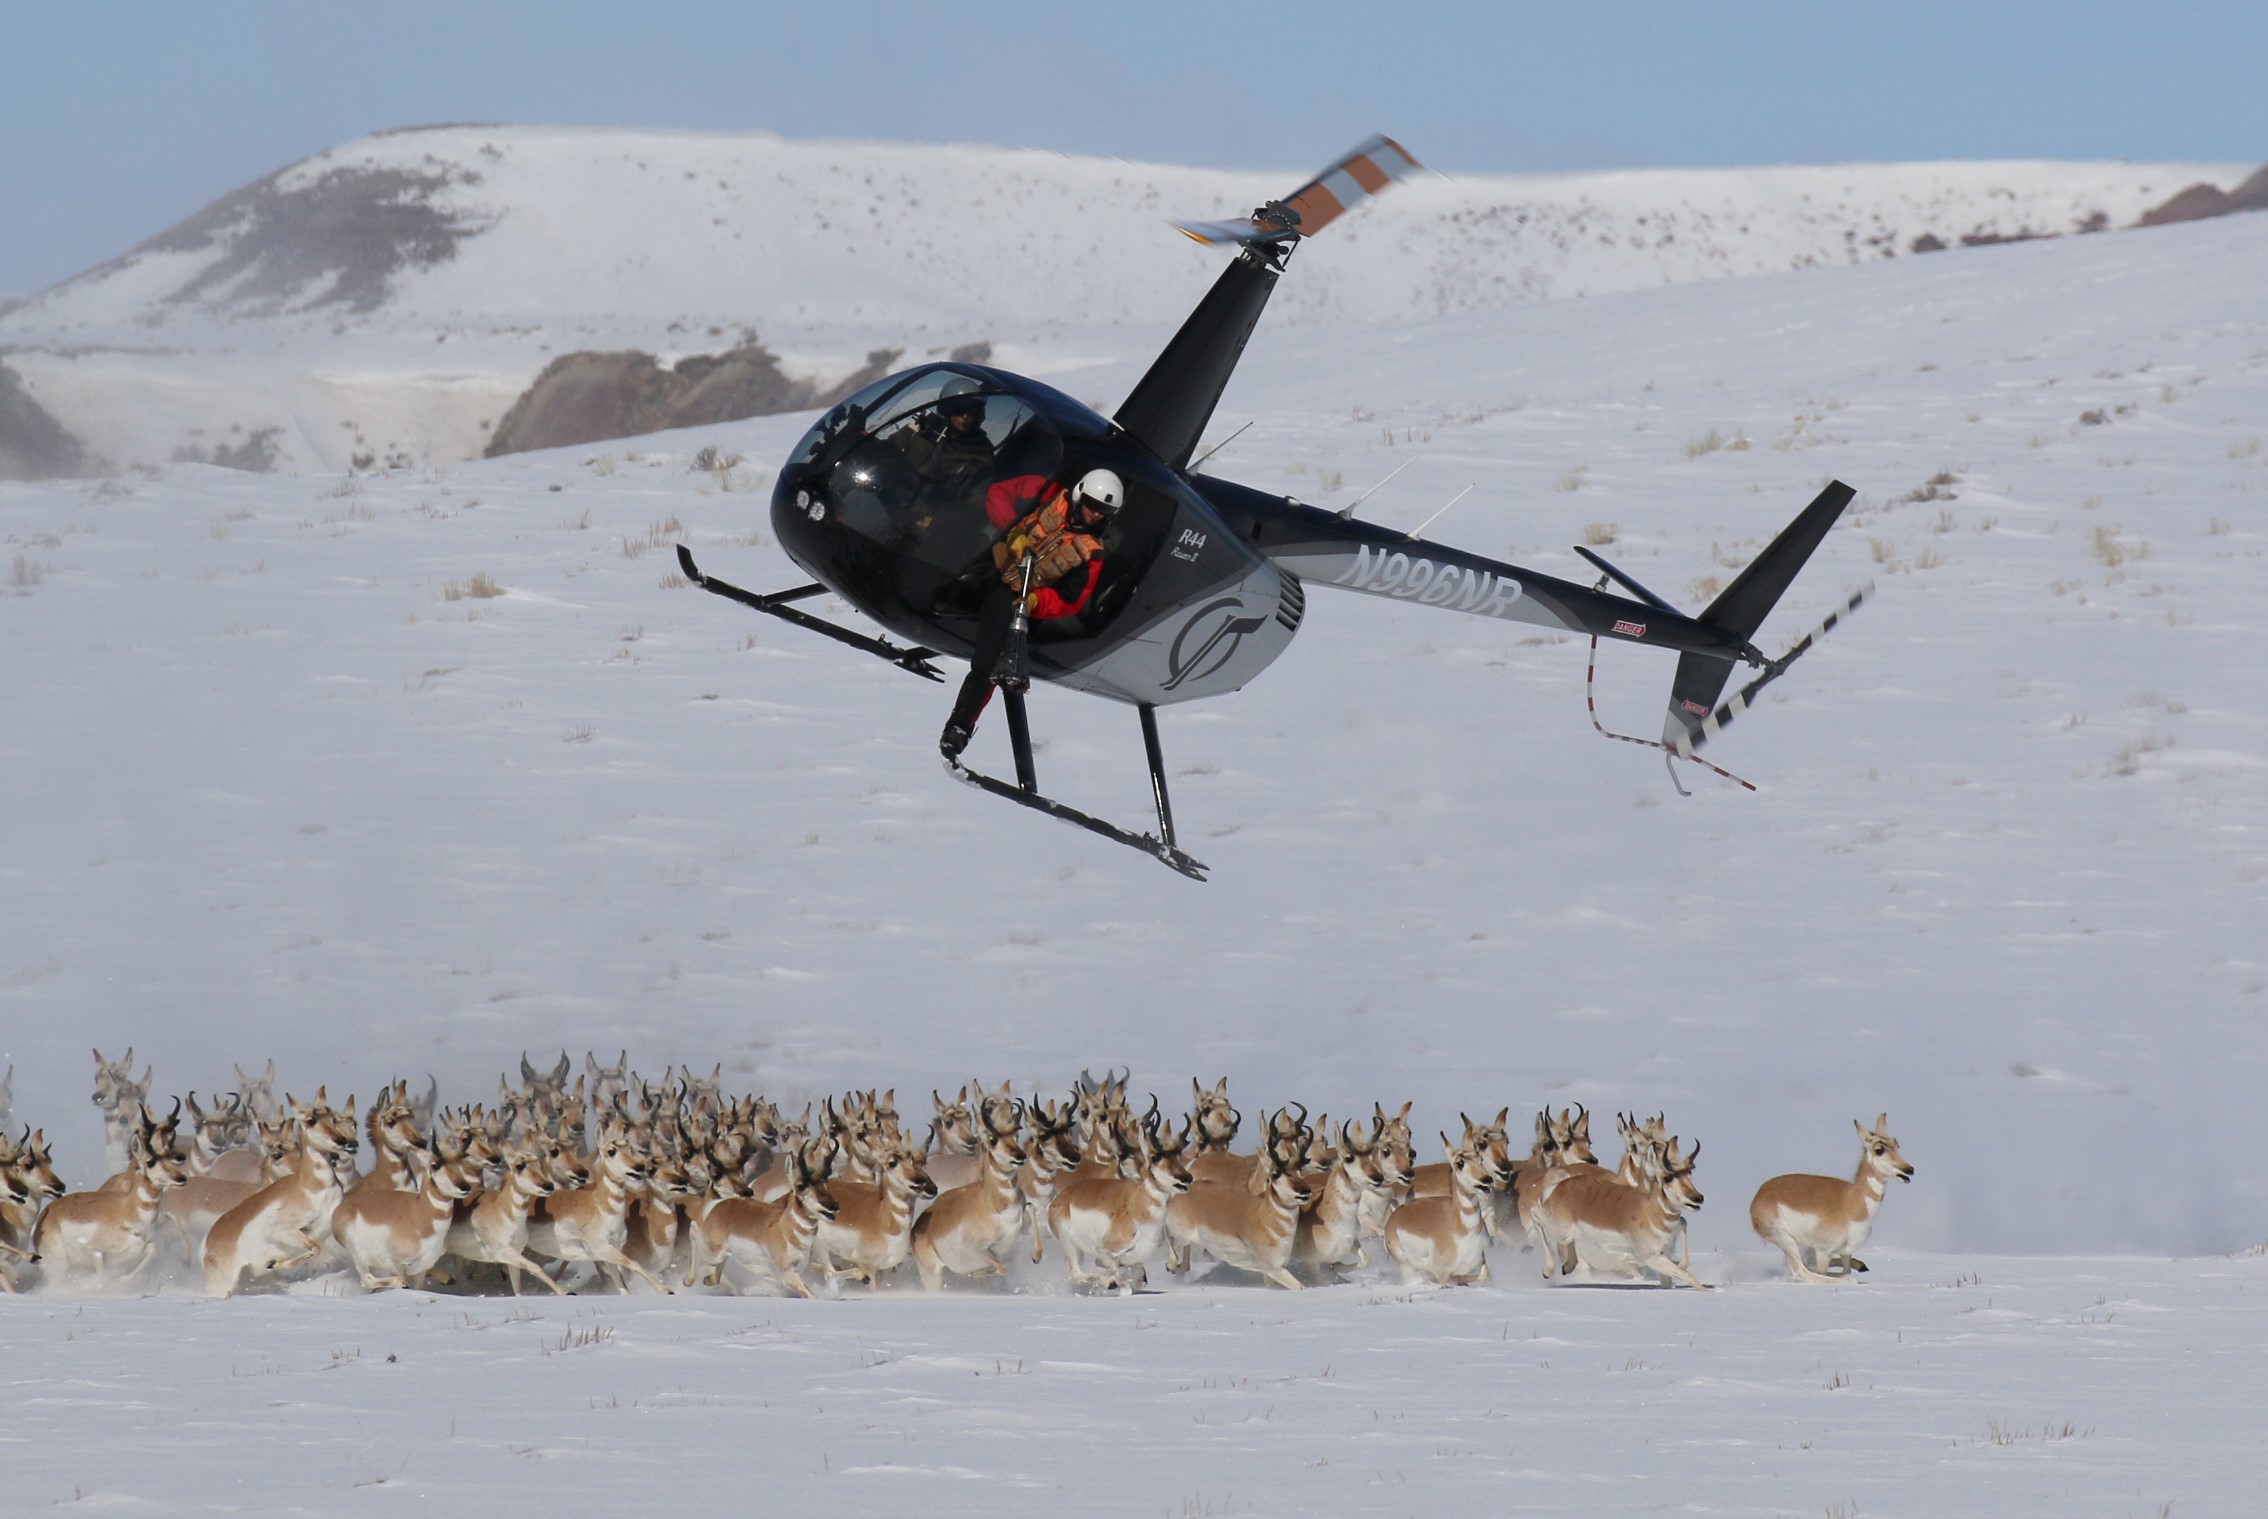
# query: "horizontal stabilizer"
{"type": "Point", "coordinates": [1740, 609]}
{"type": "Point", "coordinates": [1378, 162]}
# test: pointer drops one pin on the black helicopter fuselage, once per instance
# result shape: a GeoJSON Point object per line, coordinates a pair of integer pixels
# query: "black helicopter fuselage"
{"type": "Point", "coordinates": [1203, 584]}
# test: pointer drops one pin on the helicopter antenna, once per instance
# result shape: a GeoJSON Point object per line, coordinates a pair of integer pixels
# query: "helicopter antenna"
{"type": "Point", "coordinates": [1216, 448]}
{"type": "Point", "coordinates": [1348, 509]}
{"type": "Point", "coordinates": [1436, 517]}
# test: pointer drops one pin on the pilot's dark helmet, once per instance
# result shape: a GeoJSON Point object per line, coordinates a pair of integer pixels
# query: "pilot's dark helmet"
{"type": "Point", "coordinates": [960, 397]}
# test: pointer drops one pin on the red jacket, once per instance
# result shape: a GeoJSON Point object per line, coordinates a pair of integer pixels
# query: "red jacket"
{"type": "Point", "coordinates": [1012, 500]}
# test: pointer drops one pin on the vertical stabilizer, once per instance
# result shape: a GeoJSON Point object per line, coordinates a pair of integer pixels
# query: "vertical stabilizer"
{"type": "Point", "coordinates": [1740, 609]}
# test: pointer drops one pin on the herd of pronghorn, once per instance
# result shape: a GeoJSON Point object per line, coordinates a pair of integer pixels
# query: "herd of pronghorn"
{"type": "Point", "coordinates": [675, 1182]}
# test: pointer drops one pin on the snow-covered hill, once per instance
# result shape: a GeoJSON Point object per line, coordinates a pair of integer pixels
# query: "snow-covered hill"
{"type": "Point", "coordinates": [281, 782]}
{"type": "Point", "coordinates": [391, 297]}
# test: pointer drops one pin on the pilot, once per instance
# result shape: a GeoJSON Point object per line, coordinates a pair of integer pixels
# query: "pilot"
{"type": "Point", "coordinates": [951, 454]}
{"type": "Point", "coordinates": [1062, 538]}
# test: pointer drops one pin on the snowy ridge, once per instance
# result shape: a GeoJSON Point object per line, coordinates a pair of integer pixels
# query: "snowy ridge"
{"type": "Point", "coordinates": [391, 296]}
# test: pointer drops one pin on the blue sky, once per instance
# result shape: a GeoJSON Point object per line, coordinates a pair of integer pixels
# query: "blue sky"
{"type": "Point", "coordinates": [117, 119]}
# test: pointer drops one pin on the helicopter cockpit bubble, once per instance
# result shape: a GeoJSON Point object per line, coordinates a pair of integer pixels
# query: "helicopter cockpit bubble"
{"type": "Point", "coordinates": [885, 497]}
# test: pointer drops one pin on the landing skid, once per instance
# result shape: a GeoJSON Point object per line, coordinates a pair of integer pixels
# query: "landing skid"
{"type": "Point", "coordinates": [1026, 792]}
{"type": "Point", "coordinates": [915, 659]}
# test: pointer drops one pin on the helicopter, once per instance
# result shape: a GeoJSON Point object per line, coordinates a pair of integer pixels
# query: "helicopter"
{"type": "Point", "coordinates": [1202, 582]}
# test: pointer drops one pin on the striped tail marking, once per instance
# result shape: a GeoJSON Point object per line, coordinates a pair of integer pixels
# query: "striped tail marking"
{"type": "Point", "coordinates": [1739, 701]}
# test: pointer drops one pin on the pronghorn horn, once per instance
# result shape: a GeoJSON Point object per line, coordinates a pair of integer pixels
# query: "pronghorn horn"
{"type": "Point", "coordinates": [559, 1071]}
{"type": "Point", "coordinates": [527, 1071]}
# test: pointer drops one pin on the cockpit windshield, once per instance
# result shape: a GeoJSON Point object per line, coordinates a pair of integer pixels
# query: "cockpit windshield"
{"type": "Point", "coordinates": [907, 462]}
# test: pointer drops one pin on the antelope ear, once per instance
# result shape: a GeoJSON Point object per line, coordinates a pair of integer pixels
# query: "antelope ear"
{"type": "Point", "coordinates": [1860, 1127]}
{"type": "Point", "coordinates": [1882, 1123]}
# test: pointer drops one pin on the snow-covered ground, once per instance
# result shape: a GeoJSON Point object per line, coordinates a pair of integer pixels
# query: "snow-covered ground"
{"type": "Point", "coordinates": [272, 791]}
{"type": "Point", "coordinates": [1951, 1387]}
{"type": "Point", "coordinates": [478, 254]}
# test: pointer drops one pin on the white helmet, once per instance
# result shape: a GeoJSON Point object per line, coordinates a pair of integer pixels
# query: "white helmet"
{"type": "Point", "coordinates": [1100, 489]}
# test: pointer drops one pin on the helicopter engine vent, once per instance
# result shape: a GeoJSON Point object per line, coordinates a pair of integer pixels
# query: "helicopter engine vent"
{"type": "Point", "coordinates": [1292, 605]}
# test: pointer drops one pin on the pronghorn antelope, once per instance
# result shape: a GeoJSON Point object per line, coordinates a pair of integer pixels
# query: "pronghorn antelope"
{"type": "Point", "coordinates": [656, 1213]}
{"type": "Point", "coordinates": [1330, 1230]}
{"type": "Point", "coordinates": [394, 1237]}
{"type": "Point", "coordinates": [1563, 1144]}
{"type": "Point", "coordinates": [98, 1233]}
{"type": "Point", "coordinates": [1819, 1220]}
{"type": "Point", "coordinates": [1446, 1238]}
{"type": "Point", "coordinates": [1595, 1219]}
{"type": "Point", "coordinates": [492, 1229]}
{"type": "Point", "coordinates": [1390, 1134]}
{"type": "Point", "coordinates": [259, 1092]}
{"type": "Point", "coordinates": [872, 1230]}
{"type": "Point", "coordinates": [590, 1223]}
{"type": "Point", "coordinates": [396, 1142]}
{"type": "Point", "coordinates": [221, 1141]}
{"type": "Point", "coordinates": [284, 1223]}
{"type": "Point", "coordinates": [1214, 1118]}
{"type": "Point", "coordinates": [1283, 1132]}
{"type": "Point", "coordinates": [1117, 1222]}
{"type": "Point", "coordinates": [1051, 1155]}
{"type": "Point", "coordinates": [1495, 1147]}
{"type": "Point", "coordinates": [610, 1084]}
{"type": "Point", "coordinates": [27, 1183]}
{"type": "Point", "coordinates": [971, 1228]}
{"type": "Point", "coordinates": [286, 1220]}
{"type": "Point", "coordinates": [118, 1094]}
{"type": "Point", "coordinates": [769, 1241]}
{"type": "Point", "coordinates": [1251, 1224]}
{"type": "Point", "coordinates": [545, 1086]}
{"type": "Point", "coordinates": [192, 1207]}
{"type": "Point", "coordinates": [955, 1155]}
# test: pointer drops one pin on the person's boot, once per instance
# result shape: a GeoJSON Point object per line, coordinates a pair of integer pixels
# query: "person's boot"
{"type": "Point", "coordinates": [954, 739]}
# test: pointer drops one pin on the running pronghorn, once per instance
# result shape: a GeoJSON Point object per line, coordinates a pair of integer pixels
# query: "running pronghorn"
{"type": "Point", "coordinates": [192, 1207]}
{"type": "Point", "coordinates": [118, 1094]}
{"type": "Point", "coordinates": [1117, 1221]}
{"type": "Point", "coordinates": [98, 1233]}
{"type": "Point", "coordinates": [1594, 1218]}
{"type": "Point", "coordinates": [872, 1230]}
{"type": "Point", "coordinates": [222, 1142]}
{"type": "Point", "coordinates": [590, 1223]}
{"type": "Point", "coordinates": [1249, 1224]}
{"type": "Point", "coordinates": [1446, 1238]}
{"type": "Point", "coordinates": [657, 1213]}
{"type": "Point", "coordinates": [27, 1184]}
{"type": "Point", "coordinates": [1051, 1155]}
{"type": "Point", "coordinates": [1390, 1134]}
{"type": "Point", "coordinates": [492, 1229]}
{"type": "Point", "coordinates": [1330, 1230]}
{"type": "Point", "coordinates": [1563, 1145]}
{"type": "Point", "coordinates": [769, 1241]}
{"type": "Point", "coordinates": [396, 1142]}
{"type": "Point", "coordinates": [394, 1237]}
{"type": "Point", "coordinates": [955, 1155]}
{"type": "Point", "coordinates": [284, 1223]}
{"type": "Point", "coordinates": [1495, 1147]}
{"type": "Point", "coordinates": [610, 1084]}
{"type": "Point", "coordinates": [1819, 1220]}
{"type": "Point", "coordinates": [971, 1228]}
{"type": "Point", "coordinates": [1282, 1132]}
{"type": "Point", "coordinates": [259, 1092]}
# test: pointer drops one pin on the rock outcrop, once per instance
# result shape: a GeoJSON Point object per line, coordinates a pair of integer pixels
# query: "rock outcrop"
{"type": "Point", "coordinates": [33, 445]}
{"type": "Point", "coordinates": [2201, 201]}
{"type": "Point", "coordinates": [590, 397]}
